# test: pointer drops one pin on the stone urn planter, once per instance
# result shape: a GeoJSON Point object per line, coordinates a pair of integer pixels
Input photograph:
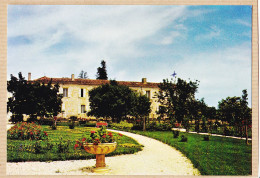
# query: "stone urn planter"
{"type": "Point", "coordinates": [100, 150]}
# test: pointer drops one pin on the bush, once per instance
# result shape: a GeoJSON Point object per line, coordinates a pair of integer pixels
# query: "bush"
{"type": "Point", "coordinates": [123, 125]}
{"type": "Point", "coordinates": [228, 131]}
{"type": "Point", "coordinates": [175, 133]}
{"type": "Point", "coordinates": [159, 126]}
{"type": "Point", "coordinates": [26, 131]}
{"type": "Point", "coordinates": [63, 146]}
{"type": "Point", "coordinates": [206, 137]}
{"type": "Point", "coordinates": [72, 122]}
{"type": "Point", "coordinates": [46, 121]}
{"type": "Point", "coordinates": [184, 138]}
{"type": "Point", "coordinates": [53, 127]}
{"type": "Point", "coordinates": [16, 118]}
{"type": "Point", "coordinates": [90, 124]}
{"type": "Point", "coordinates": [137, 127]}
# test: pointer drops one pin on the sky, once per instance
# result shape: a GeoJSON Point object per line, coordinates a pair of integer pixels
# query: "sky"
{"type": "Point", "coordinates": [211, 44]}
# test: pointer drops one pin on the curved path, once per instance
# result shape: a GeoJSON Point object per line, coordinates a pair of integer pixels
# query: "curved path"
{"type": "Point", "coordinates": [156, 158]}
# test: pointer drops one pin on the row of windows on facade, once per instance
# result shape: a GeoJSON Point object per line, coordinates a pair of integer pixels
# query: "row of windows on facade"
{"type": "Point", "coordinates": [65, 93]}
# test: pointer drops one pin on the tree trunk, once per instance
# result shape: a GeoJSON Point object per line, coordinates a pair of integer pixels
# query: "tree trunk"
{"type": "Point", "coordinates": [144, 120]}
{"type": "Point", "coordinates": [246, 135]}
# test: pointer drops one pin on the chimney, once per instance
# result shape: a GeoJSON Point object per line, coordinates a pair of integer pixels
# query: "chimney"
{"type": "Point", "coordinates": [72, 77]}
{"type": "Point", "coordinates": [144, 80]}
{"type": "Point", "coordinates": [29, 76]}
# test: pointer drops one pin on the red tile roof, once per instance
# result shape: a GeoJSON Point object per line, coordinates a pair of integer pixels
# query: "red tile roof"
{"type": "Point", "coordinates": [95, 82]}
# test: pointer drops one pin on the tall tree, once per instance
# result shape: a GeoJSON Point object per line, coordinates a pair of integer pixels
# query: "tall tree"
{"type": "Point", "coordinates": [33, 99]}
{"type": "Point", "coordinates": [116, 101]}
{"type": "Point", "coordinates": [236, 112]}
{"type": "Point", "coordinates": [102, 71]}
{"type": "Point", "coordinates": [246, 113]}
{"type": "Point", "coordinates": [83, 75]}
{"type": "Point", "coordinates": [142, 108]}
{"type": "Point", "coordinates": [175, 97]}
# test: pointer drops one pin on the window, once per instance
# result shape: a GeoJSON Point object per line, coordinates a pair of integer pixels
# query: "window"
{"type": "Point", "coordinates": [65, 92]}
{"type": "Point", "coordinates": [148, 94]}
{"type": "Point", "coordinates": [83, 108]}
{"type": "Point", "coordinates": [82, 92]}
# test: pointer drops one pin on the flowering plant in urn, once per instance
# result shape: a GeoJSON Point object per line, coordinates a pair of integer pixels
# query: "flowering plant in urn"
{"type": "Point", "coordinates": [99, 143]}
{"type": "Point", "coordinates": [98, 137]}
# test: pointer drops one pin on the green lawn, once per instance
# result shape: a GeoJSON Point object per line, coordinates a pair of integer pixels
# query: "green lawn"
{"type": "Point", "coordinates": [219, 156]}
{"type": "Point", "coordinates": [52, 150]}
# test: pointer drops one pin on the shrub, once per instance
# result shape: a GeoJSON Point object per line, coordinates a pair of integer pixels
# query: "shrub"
{"type": "Point", "coordinates": [26, 131]}
{"type": "Point", "coordinates": [16, 118]}
{"type": "Point", "coordinates": [184, 138]}
{"type": "Point", "coordinates": [53, 127]}
{"type": "Point", "coordinates": [159, 126]}
{"type": "Point", "coordinates": [63, 146]}
{"type": "Point", "coordinates": [228, 131]}
{"type": "Point", "coordinates": [46, 121]}
{"type": "Point", "coordinates": [123, 125]}
{"type": "Point", "coordinates": [206, 137]}
{"type": "Point", "coordinates": [175, 133]}
{"type": "Point", "coordinates": [137, 127]}
{"type": "Point", "coordinates": [72, 122]}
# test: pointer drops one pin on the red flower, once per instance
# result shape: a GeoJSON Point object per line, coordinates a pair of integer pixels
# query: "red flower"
{"type": "Point", "coordinates": [83, 139]}
{"type": "Point", "coordinates": [120, 134]}
{"type": "Point", "coordinates": [97, 139]}
{"type": "Point", "coordinates": [92, 131]}
{"type": "Point", "coordinates": [31, 133]}
{"type": "Point", "coordinates": [104, 136]}
{"type": "Point", "coordinates": [76, 145]}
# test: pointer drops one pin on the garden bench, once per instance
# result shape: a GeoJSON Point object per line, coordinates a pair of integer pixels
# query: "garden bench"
{"type": "Point", "coordinates": [98, 124]}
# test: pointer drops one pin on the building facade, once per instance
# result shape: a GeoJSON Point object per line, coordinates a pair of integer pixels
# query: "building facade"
{"type": "Point", "coordinates": [75, 101]}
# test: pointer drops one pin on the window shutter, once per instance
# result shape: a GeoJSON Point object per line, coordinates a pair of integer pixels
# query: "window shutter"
{"type": "Point", "coordinates": [69, 92]}
{"type": "Point", "coordinates": [60, 90]}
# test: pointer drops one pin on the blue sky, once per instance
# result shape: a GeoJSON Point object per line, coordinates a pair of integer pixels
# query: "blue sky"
{"type": "Point", "coordinates": [211, 44]}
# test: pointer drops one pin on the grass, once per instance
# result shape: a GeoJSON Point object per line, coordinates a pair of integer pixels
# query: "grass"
{"type": "Point", "coordinates": [219, 156]}
{"type": "Point", "coordinates": [22, 150]}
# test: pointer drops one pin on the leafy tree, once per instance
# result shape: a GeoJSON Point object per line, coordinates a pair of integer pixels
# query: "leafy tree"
{"type": "Point", "coordinates": [236, 112]}
{"type": "Point", "coordinates": [111, 100]}
{"type": "Point", "coordinates": [246, 113]}
{"type": "Point", "coordinates": [102, 71]}
{"type": "Point", "coordinates": [197, 111]}
{"type": "Point", "coordinates": [117, 102]}
{"type": "Point", "coordinates": [83, 75]}
{"type": "Point", "coordinates": [33, 98]}
{"type": "Point", "coordinates": [229, 110]}
{"type": "Point", "coordinates": [176, 98]}
{"type": "Point", "coordinates": [142, 108]}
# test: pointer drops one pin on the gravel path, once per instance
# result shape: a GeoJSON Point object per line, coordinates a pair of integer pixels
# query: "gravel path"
{"type": "Point", "coordinates": [156, 158]}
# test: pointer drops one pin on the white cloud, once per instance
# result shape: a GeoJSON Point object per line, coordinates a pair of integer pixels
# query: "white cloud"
{"type": "Point", "coordinates": [103, 31]}
{"type": "Point", "coordinates": [213, 32]}
{"type": "Point", "coordinates": [221, 73]}
{"type": "Point", "coordinates": [243, 22]}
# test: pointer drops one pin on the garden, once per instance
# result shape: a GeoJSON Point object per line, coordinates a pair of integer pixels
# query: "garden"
{"type": "Point", "coordinates": [32, 142]}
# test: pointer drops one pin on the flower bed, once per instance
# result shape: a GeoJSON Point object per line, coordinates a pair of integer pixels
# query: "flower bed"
{"type": "Point", "coordinates": [26, 131]}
